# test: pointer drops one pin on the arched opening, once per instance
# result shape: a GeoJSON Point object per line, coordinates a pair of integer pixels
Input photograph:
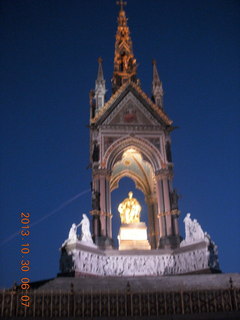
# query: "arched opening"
{"type": "Point", "coordinates": [117, 196]}
{"type": "Point", "coordinates": [147, 151]}
{"type": "Point", "coordinates": [142, 162]}
{"type": "Point", "coordinates": [131, 163]}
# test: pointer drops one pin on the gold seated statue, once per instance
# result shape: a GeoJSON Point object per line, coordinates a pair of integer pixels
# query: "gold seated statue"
{"type": "Point", "coordinates": [132, 233]}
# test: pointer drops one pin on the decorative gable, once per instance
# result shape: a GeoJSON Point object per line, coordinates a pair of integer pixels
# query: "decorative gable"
{"type": "Point", "coordinates": [130, 111]}
{"type": "Point", "coordinates": [131, 105]}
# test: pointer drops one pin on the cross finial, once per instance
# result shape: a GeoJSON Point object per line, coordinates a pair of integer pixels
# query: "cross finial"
{"type": "Point", "coordinates": [121, 3]}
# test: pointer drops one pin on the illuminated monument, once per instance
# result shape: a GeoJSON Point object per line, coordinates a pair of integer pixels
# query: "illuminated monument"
{"type": "Point", "coordinates": [130, 137]}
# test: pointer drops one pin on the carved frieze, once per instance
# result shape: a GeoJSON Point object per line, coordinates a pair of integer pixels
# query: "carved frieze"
{"type": "Point", "coordinates": [131, 127]}
{"type": "Point", "coordinates": [97, 263]}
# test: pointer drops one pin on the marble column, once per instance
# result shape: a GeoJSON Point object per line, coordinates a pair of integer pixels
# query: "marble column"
{"type": "Point", "coordinates": [101, 178]}
{"type": "Point", "coordinates": [161, 206]}
{"type": "Point", "coordinates": [153, 226]}
{"type": "Point", "coordinates": [96, 223]}
{"type": "Point", "coordinates": [169, 233]}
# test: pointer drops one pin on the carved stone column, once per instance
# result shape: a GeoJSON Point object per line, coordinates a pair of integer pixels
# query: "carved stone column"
{"type": "Point", "coordinates": [153, 225]}
{"type": "Point", "coordinates": [102, 212]}
{"type": "Point", "coordinates": [169, 233]}
{"type": "Point", "coordinates": [108, 207]}
{"type": "Point", "coordinates": [161, 205]}
{"type": "Point", "coordinates": [95, 212]}
{"type": "Point", "coordinates": [102, 179]}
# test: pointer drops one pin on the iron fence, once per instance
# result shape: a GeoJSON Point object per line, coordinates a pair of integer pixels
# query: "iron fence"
{"type": "Point", "coordinates": [118, 304]}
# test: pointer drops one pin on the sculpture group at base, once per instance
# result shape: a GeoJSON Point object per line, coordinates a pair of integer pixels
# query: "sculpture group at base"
{"type": "Point", "coordinates": [193, 232]}
{"type": "Point", "coordinates": [80, 256]}
{"type": "Point", "coordinates": [86, 237]}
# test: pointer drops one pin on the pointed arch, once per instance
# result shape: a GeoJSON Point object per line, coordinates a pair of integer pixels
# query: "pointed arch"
{"type": "Point", "coordinates": [144, 147]}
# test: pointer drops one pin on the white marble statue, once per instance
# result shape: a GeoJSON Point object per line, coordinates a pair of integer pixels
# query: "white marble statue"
{"type": "Point", "coordinates": [86, 234]}
{"type": "Point", "coordinates": [72, 236]}
{"type": "Point", "coordinates": [188, 229]}
{"type": "Point", "coordinates": [86, 237]}
{"type": "Point", "coordinates": [193, 231]}
{"type": "Point", "coordinates": [198, 231]}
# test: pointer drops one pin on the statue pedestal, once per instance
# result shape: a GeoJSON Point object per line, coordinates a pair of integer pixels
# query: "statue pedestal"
{"type": "Point", "coordinates": [133, 236]}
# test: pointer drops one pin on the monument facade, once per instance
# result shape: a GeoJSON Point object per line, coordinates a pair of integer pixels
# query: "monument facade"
{"type": "Point", "coordinates": [130, 137]}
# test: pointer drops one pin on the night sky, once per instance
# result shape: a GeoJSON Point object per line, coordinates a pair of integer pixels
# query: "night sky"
{"type": "Point", "coordinates": [49, 51]}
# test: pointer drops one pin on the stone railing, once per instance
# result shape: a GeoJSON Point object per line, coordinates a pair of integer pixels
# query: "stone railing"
{"type": "Point", "coordinates": [119, 304]}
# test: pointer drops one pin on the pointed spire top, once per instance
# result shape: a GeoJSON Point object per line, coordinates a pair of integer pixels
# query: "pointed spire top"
{"type": "Point", "coordinates": [100, 70]}
{"type": "Point", "coordinates": [125, 65]}
{"type": "Point", "coordinates": [157, 89]}
{"type": "Point", "coordinates": [121, 3]}
{"type": "Point", "coordinates": [156, 78]}
{"type": "Point", "coordinates": [100, 88]}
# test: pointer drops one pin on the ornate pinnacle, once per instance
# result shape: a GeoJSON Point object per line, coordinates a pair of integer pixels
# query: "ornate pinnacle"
{"type": "Point", "coordinates": [100, 88]}
{"type": "Point", "coordinates": [121, 4]}
{"type": "Point", "coordinates": [100, 70]}
{"type": "Point", "coordinates": [157, 89]}
{"type": "Point", "coordinates": [125, 66]}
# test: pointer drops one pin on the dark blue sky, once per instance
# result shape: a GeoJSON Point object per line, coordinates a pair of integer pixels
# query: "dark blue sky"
{"type": "Point", "coordinates": [49, 52]}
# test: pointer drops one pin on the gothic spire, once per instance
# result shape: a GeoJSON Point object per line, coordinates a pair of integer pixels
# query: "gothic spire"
{"type": "Point", "coordinates": [100, 71]}
{"type": "Point", "coordinates": [157, 89]}
{"type": "Point", "coordinates": [125, 66]}
{"type": "Point", "coordinates": [100, 88]}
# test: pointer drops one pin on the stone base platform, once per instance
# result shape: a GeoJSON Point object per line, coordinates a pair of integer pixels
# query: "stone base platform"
{"type": "Point", "coordinates": [134, 245]}
{"type": "Point", "coordinates": [145, 284]}
{"type": "Point", "coordinates": [133, 236]}
{"type": "Point", "coordinates": [80, 260]}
